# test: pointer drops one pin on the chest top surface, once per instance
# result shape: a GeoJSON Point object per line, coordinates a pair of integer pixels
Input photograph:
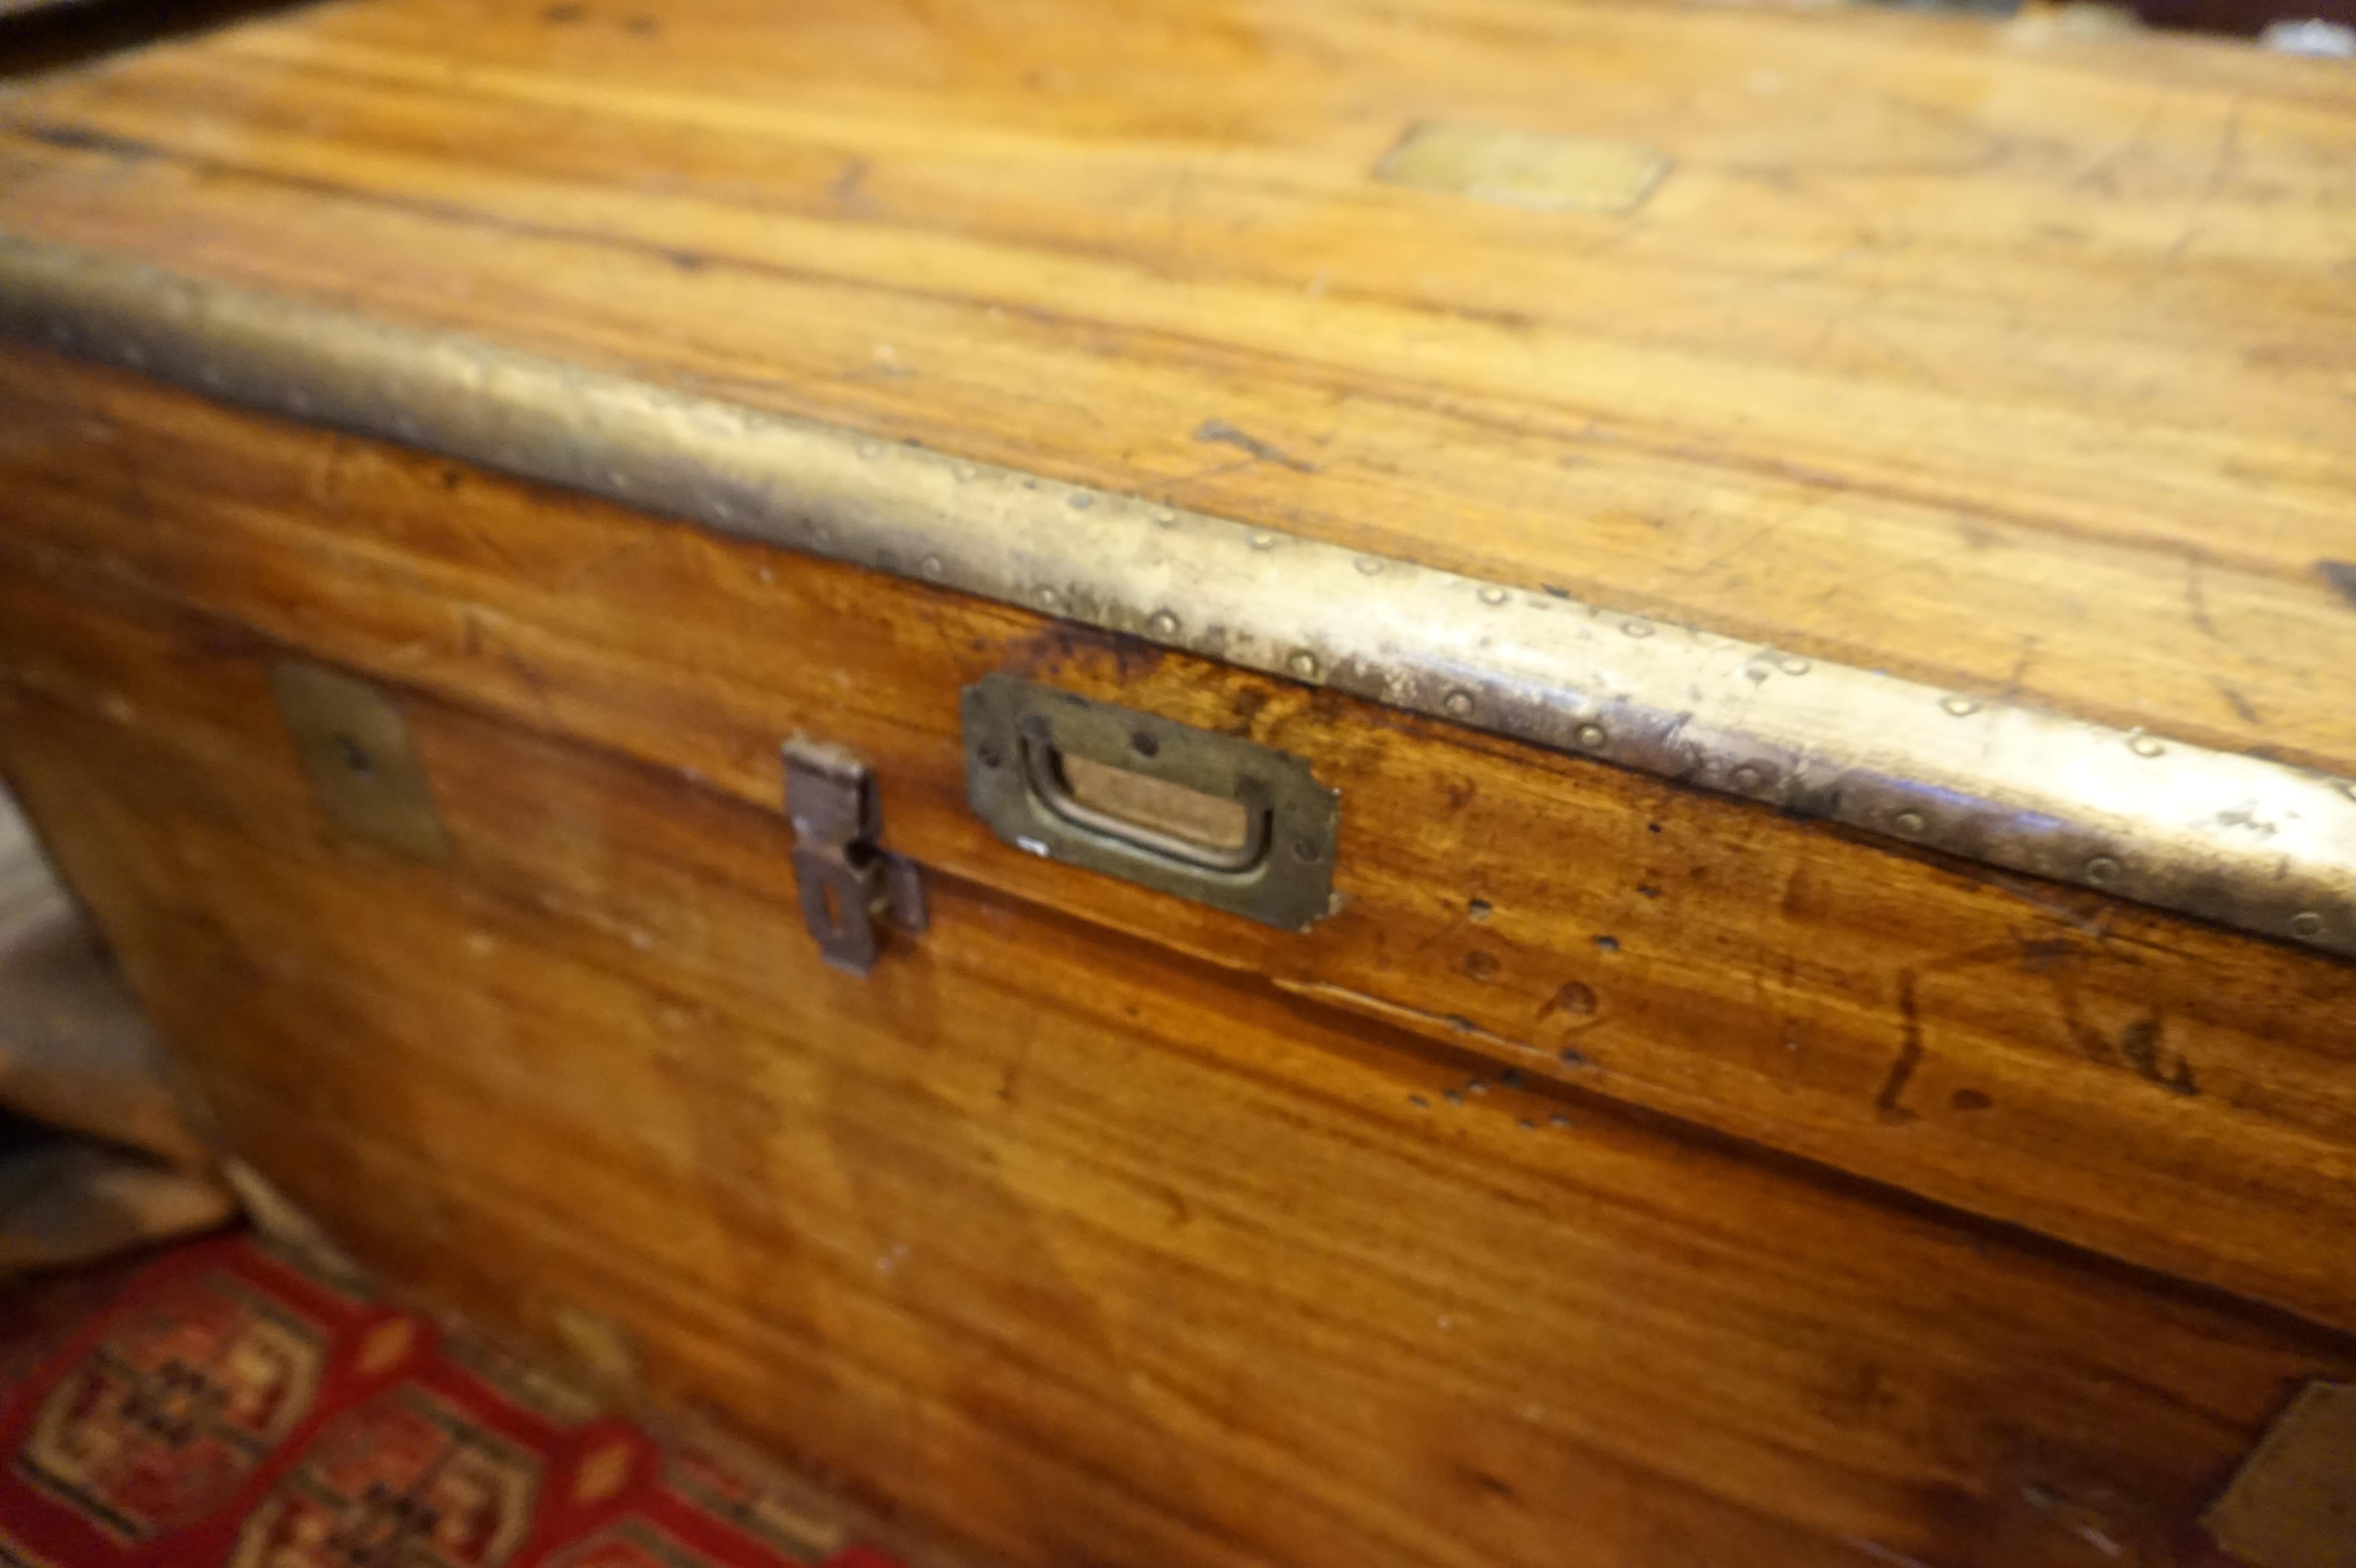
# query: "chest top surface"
{"type": "Point", "coordinates": [2019, 365]}
{"type": "Point", "coordinates": [2004, 361]}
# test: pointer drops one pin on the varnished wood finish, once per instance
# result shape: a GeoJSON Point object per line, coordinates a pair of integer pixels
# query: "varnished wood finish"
{"type": "Point", "coordinates": [2015, 366]}
{"type": "Point", "coordinates": [1104, 1228]}
{"type": "Point", "coordinates": [1092, 1253]}
{"type": "Point", "coordinates": [2167, 1094]}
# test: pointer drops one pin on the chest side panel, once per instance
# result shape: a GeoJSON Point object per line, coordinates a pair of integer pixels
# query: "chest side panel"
{"type": "Point", "coordinates": [1093, 1251]}
{"type": "Point", "coordinates": [2143, 1085]}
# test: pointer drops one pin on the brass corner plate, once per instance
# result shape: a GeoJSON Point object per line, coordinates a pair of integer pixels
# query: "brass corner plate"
{"type": "Point", "coordinates": [2293, 1502]}
{"type": "Point", "coordinates": [1531, 169]}
{"type": "Point", "coordinates": [356, 747]}
{"type": "Point", "coordinates": [1214, 818]}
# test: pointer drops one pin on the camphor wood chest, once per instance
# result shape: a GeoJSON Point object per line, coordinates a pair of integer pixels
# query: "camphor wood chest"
{"type": "Point", "coordinates": [1501, 782]}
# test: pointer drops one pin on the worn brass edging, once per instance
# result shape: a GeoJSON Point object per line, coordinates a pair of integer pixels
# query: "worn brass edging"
{"type": "Point", "coordinates": [2245, 842]}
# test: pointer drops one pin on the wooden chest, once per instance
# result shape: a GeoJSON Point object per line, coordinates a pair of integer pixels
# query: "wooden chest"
{"type": "Point", "coordinates": [1327, 782]}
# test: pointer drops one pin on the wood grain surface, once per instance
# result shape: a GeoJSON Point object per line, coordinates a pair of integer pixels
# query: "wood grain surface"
{"type": "Point", "coordinates": [1087, 1251]}
{"type": "Point", "coordinates": [2012, 362]}
{"type": "Point", "coordinates": [2167, 1094]}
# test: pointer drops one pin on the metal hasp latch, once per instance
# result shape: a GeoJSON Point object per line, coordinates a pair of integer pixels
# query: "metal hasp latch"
{"type": "Point", "coordinates": [846, 882]}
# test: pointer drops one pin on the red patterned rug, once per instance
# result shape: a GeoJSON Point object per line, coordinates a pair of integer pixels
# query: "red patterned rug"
{"type": "Point", "coordinates": [219, 1408]}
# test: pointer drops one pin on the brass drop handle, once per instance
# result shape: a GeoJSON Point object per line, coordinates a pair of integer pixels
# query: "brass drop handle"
{"type": "Point", "coordinates": [1205, 831]}
{"type": "Point", "coordinates": [1216, 818]}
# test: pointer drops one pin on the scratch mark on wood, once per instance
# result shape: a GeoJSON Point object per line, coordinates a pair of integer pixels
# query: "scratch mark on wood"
{"type": "Point", "coordinates": [2012, 682]}
{"type": "Point", "coordinates": [1882, 1553]}
{"type": "Point", "coordinates": [2196, 598]}
{"type": "Point", "coordinates": [2237, 701]}
{"type": "Point", "coordinates": [1910, 1054]}
{"type": "Point", "coordinates": [2229, 152]}
{"type": "Point", "coordinates": [1220, 430]}
{"type": "Point", "coordinates": [1453, 1027]}
{"type": "Point", "coordinates": [2091, 919]}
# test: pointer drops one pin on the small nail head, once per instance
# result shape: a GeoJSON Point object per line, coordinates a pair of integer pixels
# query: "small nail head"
{"type": "Point", "coordinates": [1637, 628]}
{"type": "Point", "coordinates": [1303, 664]}
{"type": "Point", "coordinates": [1589, 735]}
{"type": "Point", "coordinates": [1263, 541]}
{"type": "Point", "coordinates": [1165, 517]}
{"type": "Point", "coordinates": [2306, 925]}
{"type": "Point", "coordinates": [1791, 664]}
{"type": "Point", "coordinates": [1909, 823]}
{"type": "Point", "coordinates": [1747, 778]}
{"type": "Point", "coordinates": [2144, 746]}
{"type": "Point", "coordinates": [1049, 598]}
{"type": "Point", "coordinates": [933, 566]}
{"type": "Point", "coordinates": [964, 470]}
{"type": "Point", "coordinates": [1163, 624]}
{"type": "Point", "coordinates": [2102, 869]}
{"type": "Point", "coordinates": [1082, 499]}
{"type": "Point", "coordinates": [1369, 566]}
{"type": "Point", "coordinates": [1961, 707]}
{"type": "Point", "coordinates": [1493, 595]}
{"type": "Point", "coordinates": [1458, 704]}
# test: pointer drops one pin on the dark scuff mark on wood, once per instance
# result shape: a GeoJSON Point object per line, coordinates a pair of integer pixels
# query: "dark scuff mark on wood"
{"type": "Point", "coordinates": [1910, 1054]}
{"type": "Point", "coordinates": [1221, 432]}
{"type": "Point", "coordinates": [1058, 646]}
{"type": "Point", "coordinates": [1492, 1485]}
{"type": "Point", "coordinates": [848, 188]}
{"type": "Point", "coordinates": [2139, 1043]}
{"type": "Point", "coordinates": [82, 139]}
{"type": "Point", "coordinates": [1575, 997]}
{"type": "Point", "coordinates": [2240, 704]}
{"type": "Point", "coordinates": [2341, 576]}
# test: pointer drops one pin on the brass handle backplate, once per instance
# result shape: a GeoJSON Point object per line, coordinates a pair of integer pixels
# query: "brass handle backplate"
{"type": "Point", "coordinates": [1216, 818]}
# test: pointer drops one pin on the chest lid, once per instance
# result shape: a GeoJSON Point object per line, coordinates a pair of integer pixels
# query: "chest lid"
{"type": "Point", "coordinates": [1936, 426]}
